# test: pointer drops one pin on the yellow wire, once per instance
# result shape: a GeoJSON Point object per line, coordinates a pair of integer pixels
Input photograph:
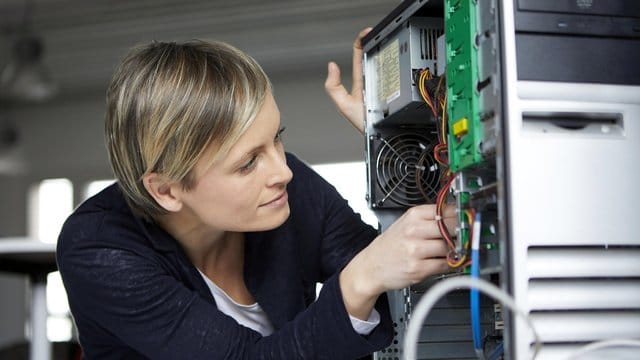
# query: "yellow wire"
{"type": "Point", "coordinates": [469, 216]}
{"type": "Point", "coordinates": [463, 259]}
{"type": "Point", "coordinates": [425, 74]}
{"type": "Point", "coordinates": [444, 109]}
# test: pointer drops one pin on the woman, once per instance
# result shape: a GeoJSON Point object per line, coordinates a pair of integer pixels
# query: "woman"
{"type": "Point", "coordinates": [211, 242]}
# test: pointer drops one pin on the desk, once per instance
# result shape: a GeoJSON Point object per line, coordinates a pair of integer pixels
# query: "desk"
{"type": "Point", "coordinates": [36, 259]}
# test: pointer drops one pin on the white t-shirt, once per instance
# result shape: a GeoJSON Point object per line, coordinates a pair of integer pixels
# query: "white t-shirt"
{"type": "Point", "coordinates": [253, 317]}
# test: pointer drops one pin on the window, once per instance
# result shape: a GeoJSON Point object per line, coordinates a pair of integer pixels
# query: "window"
{"type": "Point", "coordinates": [349, 178]}
{"type": "Point", "coordinates": [51, 203]}
{"type": "Point", "coordinates": [95, 187]}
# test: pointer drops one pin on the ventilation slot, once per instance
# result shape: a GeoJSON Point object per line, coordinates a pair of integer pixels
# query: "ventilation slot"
{"type": "Point", "coordinates": [429, 43]}
{"type": "Point", "coordinates": [577, 295]}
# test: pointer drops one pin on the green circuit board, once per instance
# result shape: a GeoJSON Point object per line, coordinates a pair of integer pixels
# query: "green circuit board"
{"type": "Point", "coordinates": [465, 128]}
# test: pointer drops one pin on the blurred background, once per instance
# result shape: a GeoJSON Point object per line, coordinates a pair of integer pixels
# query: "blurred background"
{"type": "Point", "coordinates": [56, 58]}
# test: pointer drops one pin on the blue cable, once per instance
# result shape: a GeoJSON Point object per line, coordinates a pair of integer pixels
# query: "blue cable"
{"type": "Point", "coordinates": [475, 295]}
{"type": "Point", "coordinates": [497, 352]}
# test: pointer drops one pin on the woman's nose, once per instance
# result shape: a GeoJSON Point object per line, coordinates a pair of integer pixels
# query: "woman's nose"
{"type": "Point", "coordinates": [281, 174]}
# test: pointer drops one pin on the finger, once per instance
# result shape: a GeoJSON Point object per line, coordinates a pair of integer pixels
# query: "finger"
{"type": "Point", "coordinates": [433, 266]}
{"type": "Point", "coordinates": [424, 212]}
{"type": "Point", "coordinates": [427, 249]}
{"type": "Point", "coordinates": [420, 229]}
{"type": "Point", "coordinates": [429, 211]}
{"type": "Point", "coordinates": [449, 211]}
{"type": "Point", "coordinates": [357, 74]}
{"type": "Point", "coordinates": [334, 80]}
{"type": "Point", "coordinates": [450, 224]}
{"type": "Point", "coordinates": [334, 88]}
{"type": "Point", "coordinates": [357, 44]}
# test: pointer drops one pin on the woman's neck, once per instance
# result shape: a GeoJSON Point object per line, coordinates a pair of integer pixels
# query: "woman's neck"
{"type": "Point", "coordinates": [219, 255]}
{"type": "Point", "coordinates": [199, 241]}
{"type": "Point", "coordinates": [224, 255]}
{"type": "Point", "coordinates": [224, 265]}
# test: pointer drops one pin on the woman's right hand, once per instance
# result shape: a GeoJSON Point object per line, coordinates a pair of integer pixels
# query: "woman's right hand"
{"type": "Point", "coordinates": [411, 249]}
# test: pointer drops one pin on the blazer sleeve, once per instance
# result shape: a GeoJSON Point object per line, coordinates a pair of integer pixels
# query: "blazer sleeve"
{"type": "Point", "coordinates": [342, 232]}
{"type": "Point", "coordinates": [342, 235]}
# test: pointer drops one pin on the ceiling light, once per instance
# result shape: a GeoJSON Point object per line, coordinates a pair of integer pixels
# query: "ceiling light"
{"type": "Point", "coordinates": [25, 78]}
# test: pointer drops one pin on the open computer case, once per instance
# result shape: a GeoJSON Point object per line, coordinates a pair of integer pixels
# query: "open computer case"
{"type": "Point", "coordinates": [528, 113]}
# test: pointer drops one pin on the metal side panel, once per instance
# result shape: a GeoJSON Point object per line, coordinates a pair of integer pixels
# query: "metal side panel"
{"type": "Point", "coordinates": [570, 294]}
{"type": "Point", "coordinates": [549, 262]}
{"type": "Point", "coordinates": [575, 186]}
{"type": "Point", "coordinates": [565, 351]}
{"type": "Point", "coordinates": [586, 326]}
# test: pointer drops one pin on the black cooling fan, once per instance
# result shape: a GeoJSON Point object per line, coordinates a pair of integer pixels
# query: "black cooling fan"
{"type": "Point", "coordinates": [402, 170]}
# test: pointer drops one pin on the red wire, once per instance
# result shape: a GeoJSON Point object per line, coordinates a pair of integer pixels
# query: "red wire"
{"type": "Point", "coordinates": [439, 205]}
{"type": "Point", "coordinates": [437, 153]}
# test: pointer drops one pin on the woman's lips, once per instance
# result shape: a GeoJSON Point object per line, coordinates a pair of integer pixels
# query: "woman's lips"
{"type": "Point", "coordinates": [279, 201]}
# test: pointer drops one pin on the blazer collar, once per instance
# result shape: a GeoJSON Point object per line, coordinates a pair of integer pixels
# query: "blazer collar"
{"type": "Point", "coordinates": [158, 238]}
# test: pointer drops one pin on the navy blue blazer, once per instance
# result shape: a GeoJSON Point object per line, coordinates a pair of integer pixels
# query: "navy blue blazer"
{"type": "Point", "coordinates": [134, 293]}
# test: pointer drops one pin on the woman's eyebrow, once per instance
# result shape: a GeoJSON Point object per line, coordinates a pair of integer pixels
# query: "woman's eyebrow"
{"type": "Point", "coordinates": [247, 155]}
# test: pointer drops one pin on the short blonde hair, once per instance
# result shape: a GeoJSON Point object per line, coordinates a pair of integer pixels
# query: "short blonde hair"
{"type": "Point", "coordinates": [167, 102]}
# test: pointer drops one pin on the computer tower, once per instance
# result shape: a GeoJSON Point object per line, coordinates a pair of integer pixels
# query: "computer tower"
{"type": "Point", "coordinates": [541, 124]}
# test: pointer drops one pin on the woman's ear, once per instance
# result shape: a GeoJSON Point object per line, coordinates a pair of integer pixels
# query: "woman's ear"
{"type": "Point", "coordinates": [162, 191]}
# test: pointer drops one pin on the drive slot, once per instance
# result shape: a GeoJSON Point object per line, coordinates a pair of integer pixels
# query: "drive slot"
{"type": "Point", "coordinates": [593, 123]}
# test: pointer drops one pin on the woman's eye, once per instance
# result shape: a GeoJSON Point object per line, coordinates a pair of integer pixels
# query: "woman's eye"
{"type": "Point", "coordinates": [249, 165]}
{"type": "Point", "coordinates": [278, 137]}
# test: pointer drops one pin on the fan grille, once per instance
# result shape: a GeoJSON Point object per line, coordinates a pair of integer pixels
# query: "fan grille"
{"type": "Point", "coordinates": [406, 171]}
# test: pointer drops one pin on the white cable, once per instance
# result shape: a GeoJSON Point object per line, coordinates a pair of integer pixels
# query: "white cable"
{"type": "Point", "coordinates": [430, 298]}
{"type": "Point", "coordinates": [599, 345]}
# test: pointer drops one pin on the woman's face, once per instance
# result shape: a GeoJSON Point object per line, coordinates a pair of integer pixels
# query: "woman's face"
{"type": "Point", "coordinates": [245, 190]}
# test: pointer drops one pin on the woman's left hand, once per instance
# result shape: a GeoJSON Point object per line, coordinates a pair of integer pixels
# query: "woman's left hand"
{"type": "Point", "coordinates": [349, 104]}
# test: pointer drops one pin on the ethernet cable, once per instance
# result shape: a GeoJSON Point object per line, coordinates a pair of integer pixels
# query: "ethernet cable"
{"type": "Point", "coordinates": [430, 298]}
